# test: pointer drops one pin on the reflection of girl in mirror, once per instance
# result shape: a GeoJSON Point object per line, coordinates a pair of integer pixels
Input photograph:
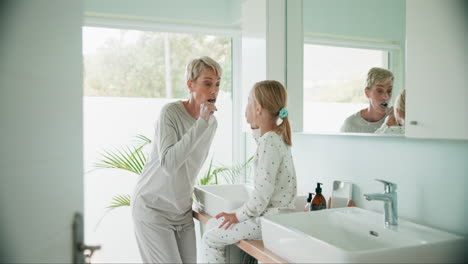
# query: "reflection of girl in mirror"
{"type": "Point", "coordinates": [379, 92]}
{"type": "Point", "coordinates": [395, 123]}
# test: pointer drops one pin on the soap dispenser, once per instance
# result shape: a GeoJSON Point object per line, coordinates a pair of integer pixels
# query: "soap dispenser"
{"type": "Point", "coordinates": [319, 202]}
{"type": "Point", "coordinates": [308, 206]}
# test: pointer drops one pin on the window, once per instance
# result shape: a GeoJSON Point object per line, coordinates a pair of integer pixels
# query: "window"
{"type": "Point", "coordinates": [334, 82]}
{"type": "Point", "coordinates": [129, 75]}
{"type": "Point", "coordinates": [132, 63]}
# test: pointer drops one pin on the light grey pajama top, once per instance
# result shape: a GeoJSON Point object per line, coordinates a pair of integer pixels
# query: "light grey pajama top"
{"type": "Point", "coordinates": [355, 123]}
{"type": "Point", "coordinates": [181, 144]}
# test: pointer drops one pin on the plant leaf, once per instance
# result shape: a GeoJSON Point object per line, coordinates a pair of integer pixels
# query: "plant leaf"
{"type": "Point", "coordinates": [119, 201]}
{"type": "Point", "coordinates": [230, 174]}
{"type": "Point", "coordinates": [132, 160]}
{"type": "Point", "coordinates": [205, 180]}
{"type": "Point", "coordinates": [142, 141]}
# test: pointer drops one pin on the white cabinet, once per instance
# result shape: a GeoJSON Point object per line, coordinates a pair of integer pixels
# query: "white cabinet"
{"type": "Point", "coordinates": [437, 69]}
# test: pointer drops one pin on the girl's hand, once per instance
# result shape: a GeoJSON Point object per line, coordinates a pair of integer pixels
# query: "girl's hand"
{"type": "Point", "coordinates": [390, 120]}
{"type": "Point", "coordinates": [229, 219]}
{"type": "Point", "coordinates": [207, 109]}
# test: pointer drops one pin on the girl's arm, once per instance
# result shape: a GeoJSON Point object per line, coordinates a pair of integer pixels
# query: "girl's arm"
{"type": "Point", "coordinates": [265, 176]}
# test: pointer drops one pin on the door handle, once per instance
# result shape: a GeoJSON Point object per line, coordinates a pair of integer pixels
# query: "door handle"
{"type": "Point", "coordinates": [82, 253]}
{"type": "Point", "coordinates": [88, 251]}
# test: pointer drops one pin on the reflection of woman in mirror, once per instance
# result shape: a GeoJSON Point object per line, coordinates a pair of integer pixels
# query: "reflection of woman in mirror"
{"type": "Point", "coordinates": [395, 123]}
{"type": "Point", "coordinates": [379, 92]}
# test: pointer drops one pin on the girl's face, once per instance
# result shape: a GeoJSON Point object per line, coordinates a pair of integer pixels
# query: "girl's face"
{"type": "Point", "coordinates": [250, 114]}
{"type": "Point", "coordinates": [379, 96]}
{"type": "Point", "coordinates": [205, 88]}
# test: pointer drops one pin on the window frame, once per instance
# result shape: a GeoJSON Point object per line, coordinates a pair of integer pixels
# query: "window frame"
{"type": "Point", "coordinates": [234, 32]}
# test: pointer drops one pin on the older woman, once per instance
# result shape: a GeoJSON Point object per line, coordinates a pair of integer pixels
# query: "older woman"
{"type": "Point", "coordinates": [161, 203]}
{"type": "Point", "coordinates": [379, 92]}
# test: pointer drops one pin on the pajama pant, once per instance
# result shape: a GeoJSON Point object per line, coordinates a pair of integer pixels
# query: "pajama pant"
{"type": "Point", "coordinates": [163, 243]}
{"type": "Point", "coordinates": [216, 239]}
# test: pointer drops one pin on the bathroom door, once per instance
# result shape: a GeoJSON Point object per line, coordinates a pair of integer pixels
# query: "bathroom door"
{"type": "Point", "coordinates": [41, 168]}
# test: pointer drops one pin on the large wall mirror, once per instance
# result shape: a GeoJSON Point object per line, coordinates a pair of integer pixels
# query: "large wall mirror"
{"type": "Point", "coordinates": [343, 40]}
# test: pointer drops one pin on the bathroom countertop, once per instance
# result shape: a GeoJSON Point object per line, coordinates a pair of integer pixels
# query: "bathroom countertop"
{"type": "Point", "coordinates": [255, 248]}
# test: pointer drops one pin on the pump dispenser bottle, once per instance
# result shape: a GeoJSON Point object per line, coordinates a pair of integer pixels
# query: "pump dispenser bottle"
{"type": "Point", "coordinates": [319, 202]}
{"type": "Point", "coordinates": [308, 206]}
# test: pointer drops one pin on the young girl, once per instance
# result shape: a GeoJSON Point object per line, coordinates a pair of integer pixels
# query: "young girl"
{"type": "Point", "coordinates": [275, 176]}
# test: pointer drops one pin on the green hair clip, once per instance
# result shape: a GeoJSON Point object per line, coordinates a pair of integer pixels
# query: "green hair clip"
{"type": "Point", "coordinates": [283, 113]}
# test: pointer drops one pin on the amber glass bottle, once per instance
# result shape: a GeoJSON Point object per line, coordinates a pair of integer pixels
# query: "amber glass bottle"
{"type": "Point", "coordinates": [319, 202]}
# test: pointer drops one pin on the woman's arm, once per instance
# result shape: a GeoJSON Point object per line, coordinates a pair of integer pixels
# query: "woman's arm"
{"type": "Point", "coordinates": [174, 152]}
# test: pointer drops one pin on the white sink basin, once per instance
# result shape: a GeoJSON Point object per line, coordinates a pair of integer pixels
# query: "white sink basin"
{"type": "Point", "coordinates": [352, 234]}
{"type": "Point", "coordinates": [214, 199]}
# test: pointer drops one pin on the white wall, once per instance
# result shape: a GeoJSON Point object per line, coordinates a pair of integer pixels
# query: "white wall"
{"type": "Point", "coordinates": [41, 135]}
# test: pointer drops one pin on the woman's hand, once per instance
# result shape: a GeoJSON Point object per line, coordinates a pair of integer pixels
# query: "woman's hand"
{"type": "Point", "coordinates": [207, 109]}
{"type": "Point", "coordinates": [229, 219]}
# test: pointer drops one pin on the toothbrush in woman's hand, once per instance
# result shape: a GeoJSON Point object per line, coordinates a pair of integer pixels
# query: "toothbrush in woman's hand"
{"type": "Point", "coordinates": [212, 100]}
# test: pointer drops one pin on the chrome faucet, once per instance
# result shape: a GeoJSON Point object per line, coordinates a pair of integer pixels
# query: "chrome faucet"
{"type": "Point", "coordinates": [389, 197]}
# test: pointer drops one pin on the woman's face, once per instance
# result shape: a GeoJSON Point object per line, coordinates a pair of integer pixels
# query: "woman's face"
{"type": "Point", "coordinates": [250, 109]}
{"type": "Point", "coordinates": [379, 96]}
{"type": "Point", "coordinates": [205, 88]}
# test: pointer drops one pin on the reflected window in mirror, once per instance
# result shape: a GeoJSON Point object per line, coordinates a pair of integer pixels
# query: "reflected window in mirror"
{"type": "Point", "coordinates": [334, 83]}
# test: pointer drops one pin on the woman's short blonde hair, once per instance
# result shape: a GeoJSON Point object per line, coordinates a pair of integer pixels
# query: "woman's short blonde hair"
{"type": "Point", "coordinates": [378, 75]}
{"type": "Point", "coordinates": [198, 65]}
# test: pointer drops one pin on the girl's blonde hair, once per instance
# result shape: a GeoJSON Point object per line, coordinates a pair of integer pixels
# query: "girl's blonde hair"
{"type": "Point", "coordinates": [400, 103]}
{"type": "Point", "coordinates": [272, 96]}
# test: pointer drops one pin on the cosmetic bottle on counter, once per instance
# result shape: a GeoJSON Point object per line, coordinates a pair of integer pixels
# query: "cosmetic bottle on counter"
{"type": "Point", "coordinates": [308, 206]}
{"type": "Point", "coordinates": [319, 202]}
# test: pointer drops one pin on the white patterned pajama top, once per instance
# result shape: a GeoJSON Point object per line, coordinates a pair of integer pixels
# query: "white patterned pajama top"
{"type": "Point", "coordinates": [274, 191]}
